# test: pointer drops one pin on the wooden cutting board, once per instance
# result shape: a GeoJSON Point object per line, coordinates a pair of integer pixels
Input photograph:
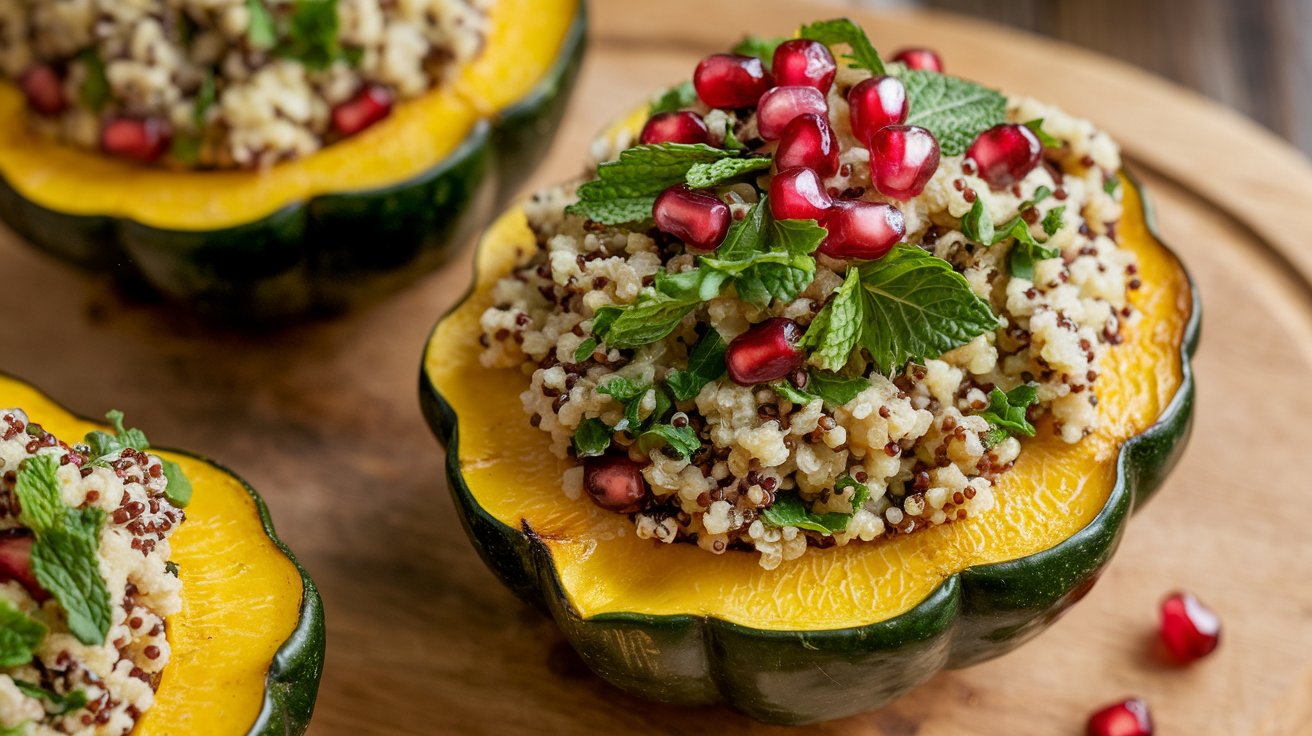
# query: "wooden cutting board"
{"type": "Point", "coordinates": [323, 420]}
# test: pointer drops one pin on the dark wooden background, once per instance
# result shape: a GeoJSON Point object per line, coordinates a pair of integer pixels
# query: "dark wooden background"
{"type": "Point", "coordinates": [1253, 55]}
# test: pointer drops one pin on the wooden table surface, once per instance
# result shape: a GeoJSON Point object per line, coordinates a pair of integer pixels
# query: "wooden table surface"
{"type": "Point", "coordinates": [323, 420]}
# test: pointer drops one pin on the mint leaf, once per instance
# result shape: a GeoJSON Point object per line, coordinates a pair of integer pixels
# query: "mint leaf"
{"type": "Point", "coordinates": [134, 438]}
{"type": "Point", "coordinates": [835, 331]}
{"type": "Point", "coordinates": [94, 92]}
{"type": "Point", "coordinates": [705, 364]}
{"type": "Point", "coordinates": [682, 441]}
{"type": "Point", "coordinates": [37, 489]}
{"type": "Point", "coordinates": [628, 394]}
{"type": "Point", "coordinates": [59, 704]}
{"type": "Point", "coordinates": [206, 96]}
{"type": "Point", "coordinates": [788, 509]}
{"type": "Point", "coordinates": [661, 307]}
{"type": "Point", "coordinates": [103, 444]}
{"type": "Point", "coordinates": [261, 33]}
{"type": "Point", "coordinates": [976, 225]}
{"type": "Point", "coordinates": [1026, 252]}
{"type": "Point", "coordinates": [673, 99]}
{"type": "Point", "coordinates": [1007, 411]}
{"type": "Point", "coordinates": [792, 393]}
{"type": "Point", "coordinates": [860, 494]}
{"type": "Point", "coordinates": [843, 31]}
{"type": "Point", "coordinates": [312, 34]}
{"type": "Point", "coordinates": [703, 176]}
{"type": "Point", "coordinates": [836, 390]}
{"type": "Point", "coordinates": [767, 258]}
{"type": "Point", "coordinates": [1110, 186]}
{"type": "Point", "coordinates": [993, 438]}
{"type": "Point", "coordinates": [585, 349]}
{"type": "Point", "coordinates": [591, 438]}
{"type": "Point", "coordinates": [953, 109]}
{"type": "Point", "coordinates": [1054, 220]}
{"type": "Point", "coordinates": [178, 490]}
{"type": "Point", "coordinates": [20, 636]}
{"type": "Point", "coordinates": [731, 142]}
{"type": "Point", "coordinates": [760, 47]}
{"type": "Point", "coordinates": [1045, 140]}
{"type": "Point", "coordinates": [625, 190]}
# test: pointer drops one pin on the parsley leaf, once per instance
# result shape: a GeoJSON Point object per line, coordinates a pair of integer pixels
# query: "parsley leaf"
{"type": "Point", "coordinates": [591, 438]}
{"type": "Point", "coordinates": [625, 190]}
{"type": "Point", "coordinates": [834, 389]}
{"type": "Point", "coordinates": [1054, 220]}
{"type": "Point", "coordinates": [759, 46]}
{"type": "Point", "coordinates": [64, 553]}
{"type": "Point", "coordinates": [705, 364]}
{"type": "Point", "coordinates": [1047, 141]}
{"type": "Point", "coordinates": [843, 30]}
{"type": "Point", "coordinates": [704, 176]}
{"type": "Point", "coordinates": [907, 305]}
{"type": "Point", "coordinates": [1007, 411]}
{"type": "Point", "coordinates": [953, 109]}
{"type": "Point", "coordinates": [261, 33]}
{"type": "Point", "coordinates": [95, 86]}
{"type": "Point", "coordinates": [60, 704]}
{"type": "Point", "coordinates": [673, 99]}
{"type": "Point", "coordinates": [20, 635]}
{"type": "Point", "coordinates": [682, 441]}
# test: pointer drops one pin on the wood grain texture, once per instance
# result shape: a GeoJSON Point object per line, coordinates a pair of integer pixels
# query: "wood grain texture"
{"type": "Point", "coordinates": [323, 420]}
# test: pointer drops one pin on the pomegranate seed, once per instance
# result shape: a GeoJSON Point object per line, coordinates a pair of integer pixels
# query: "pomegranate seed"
{"type": "Point", "coordinates": [16, 561]}
{"type": "Point", "coordinates": [1126, 718]}
{"type": "Point", "coordinates": [804, 62]}
{"type": "Point", "coordinates": [730, 80]}
{"type": "Point", "coordinates": [808, 141]}
{"type": "Point", "coordinates": [614, 483]}
{"type": "Point", "coordinates": [675, 127]}
{"type": "Point", "coordinates": [875, 103]}
{"type": "Point", "coordinates": [766, 352]}
{"type": "Point", "coordinates": [370, 104]}
{"type": "Point", "coordinates": [139, 139]}
{"type": "Point", "coordinates": [798, 194]}
{"type": "Point", "coordinates": [862, 230]}
{"type": "Point", "coordinates": [919, 58]}
{"type": "Point", "coordinates": [781, 105]}
{"type": "Point", "coordinates": [1005, 153]}
{"type": "Point", "coordinates": [44, 90]}
{"type": "Point", "coordinates": [699, 219]}
{"type": "Point", "coordinates": [1189, 629]}
{"type": "Point", "coordinates": [902, 159]}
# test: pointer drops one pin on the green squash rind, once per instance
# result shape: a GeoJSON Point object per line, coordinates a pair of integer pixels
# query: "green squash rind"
{"type": "Point", "coordinates": [331, 251]}
{"type": "Point", "coordinates": [974, 615]}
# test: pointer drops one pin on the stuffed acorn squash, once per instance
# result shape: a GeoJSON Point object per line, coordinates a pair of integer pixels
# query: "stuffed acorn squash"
{"type": "Point", "coordinates": [275, 200]}
{"type": "Point", "coordinates": [219, 630]}
{"type": "Point", "coordinates": [795, 441]}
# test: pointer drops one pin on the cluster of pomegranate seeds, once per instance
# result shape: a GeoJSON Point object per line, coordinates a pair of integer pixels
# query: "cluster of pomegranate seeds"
{"type": "Point", "coordinates": [902, 160]}
{"type": "Point", "coordinates": [674, 127]}
{"type": "Point", "coordinates": [1126, 718]}
{"type": "Point", "coordinates": [139, 139]}
{"type": "Point", "coordinates": [798, 194]}
{"type": "Point", "coordinates": [370, 105]}
{"type": "Point", "coordinates": [919, 58]}
{"type": "Point", "coordinates": [803, 62]}
{"type": "Point", "coordinates": [43, 88]}
{"type": "Point", "coordinates": [731, 81]}
{"type": "Point", "coordinates": [1189, 630]}
{"type": "Point", "coordinates": [766, 352]}
{"type": "Point", "coordinates": [1005, 154]}
{"type": "Point", "coordinates": [862, 230]}
{"type": "Point", "coordinates": [697, 218]}
{"type": "Point", "coordinates": [16, 561]}
{"type": "Point", "coordinates": [614, 483]}
{"type": "Point", "coordinates": [809, 142]}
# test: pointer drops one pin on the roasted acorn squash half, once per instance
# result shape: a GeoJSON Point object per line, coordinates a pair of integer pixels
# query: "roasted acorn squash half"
{"type": "Point", "coordinates": [248, 645]}
{"type": "Point", "coordinates": [353, 220]}
{"type": "Point", "coordinates": [845, 629]}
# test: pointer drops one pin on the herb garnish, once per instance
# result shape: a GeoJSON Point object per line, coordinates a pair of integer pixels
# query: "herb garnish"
{"type": "Point", "coordinates": [1027, 250]}
{"type": "Point", "coordinates": [704, 176]}
{"type": "Point", "coordinates": [177, 491]}
{"type": "Point", "coordinates": [1006, 414]}
{"type": "Point", "coordinates": [953, 109]}
{"type": "Point", "coordinates": [1045, 140]}
{"type": "Point", "coordinates": [261, 33]}
{"type": "Point", "coordinates": [759, 46]}
{"type": "Point", "coordinates": [789, 509]}
{"type": "Point", "coordinates": [59, 704]}
{"type": "Point", "coordinates": [20, 635]}
{"type": "Point", "coordinates": [705, 364]}
{"type": "Point", "coordinates": [833, 389]}
{"type": "Point", "coordinates": [625, 190]}
{"type": "Point", "coordinates": [95, 86]}
{"type": "Point", "coordinates": [591, 438]}
{"type": "Point", "coordinates": [675, 98]}
{"type": "Point", "coordinates": [843, 31]}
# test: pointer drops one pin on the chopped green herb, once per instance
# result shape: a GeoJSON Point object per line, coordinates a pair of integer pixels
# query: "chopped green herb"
{"type": "Point", "coordinates": [1045, 140]}
{"type": "Point", "coordinates": [792, 393]}
{"type": "Point", "coordinates": [768, 258]}
{"type": "Point", "coordinates": [312, 34]}
{"type": "Point", "coordinates": [585, 349]}
{"type": "Point", "coordinates": [628, 394]}
{"type": "Point", "coordinates": [20, 635]}
{"type": "Point", "coordinates": [834, 389]}
{"type": "Point", "coordinates": [681, 441]}
{"type": "Point", "coordinates": [1007, 411]}
{"type": "Point", "coordinates": [261, 33]}
{"type": "Point", "coordinates": [661, 307]}
{"type": "Point", "coordinates": [59, 704]}
{"type": "Point", "coordinates": [673, 99]}
{"type": "Point", "coordinates": [206, 96]}
{"type": "Point", "coordinates": [759, 46]}
{"type": "Point", "coordinates": [1111, 185]}
{"type": "Point", "coordinates": [705, 364]}
{"type": "Point", "coordinates": [860, 493]}
{"type": "Point", "coordinates": [953, 109]}
{"type": "Point", "coordinates": [95, 86]}
{"type": "Point", "coordinates": [591, 438]}
{"type": "Point", "coordinates": [789, 509]}
{"type": "Point", "coordinates": [843, 31]}
{"type": "Point", "coordinates": [1054, 220]}
{"type": "Point", "coordinates": [178, 491]}
{"type": "Point", "coordinates": [1024, 254]}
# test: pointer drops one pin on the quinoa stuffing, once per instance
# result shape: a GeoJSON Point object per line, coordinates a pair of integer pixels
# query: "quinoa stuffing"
{"type": "Point", "coordinates": [817, 303]}
{"type": "Point", "coordinates": [86, 585]}
{"type": "Point", "coordinates": [228, 83]}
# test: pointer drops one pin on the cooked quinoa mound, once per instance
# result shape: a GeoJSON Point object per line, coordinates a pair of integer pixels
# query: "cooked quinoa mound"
{"type": "Point", "coordinates": [68, 686]}
{"type": "Point", "coordinates": [914, 446]}
{"type": "Point", "coordinates": [228, 83]}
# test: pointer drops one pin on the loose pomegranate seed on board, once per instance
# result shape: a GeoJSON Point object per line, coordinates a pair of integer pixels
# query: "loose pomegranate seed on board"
{"type": "Point", "coordinates": [919, 58]}
{"type": "Point", "coordinates": [138, 139]}
{"type": "Point", "coordinates": [804, 62]}
{"type": "Point", "coordinates": [902, 160]}
{"type": "Point", "coordinates": [614, 483]}
{"type": "Point", "coordinates": [766, 352]}
{"type": "Point", "coordinates": [1005, 154]}
{"type": "Point", "coordinates": [44, 90]}
{"type": "Point", "coordinates": [731, 80]}
{"type": "Point", "coordinates": [798, 194]}
{"type": "Point", "coordinates": [697, 218]}
{"type": "Point", "coordinates": [862, 230]}
{"type": "Point", "coordinates": [675, 127]}
{"type": "Point", "coordinates": [370, 105]}
{"type": "Point", "coordinates": [16, 562]}
{"type": "Point", "coordinates": [875, 103]}
{"type": "Point", "coordinates": [808, 141]}
{"type": "Point", "coordinates": [780, 106]}
{"type": "Point", "coordinates": [1189, 630]}
{"type": "Point", "coordinates": [1126, 718]}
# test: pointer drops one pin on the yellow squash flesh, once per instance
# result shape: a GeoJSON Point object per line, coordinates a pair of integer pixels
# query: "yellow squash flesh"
{"type": "Point", "coordinates": [1054, 490]}
{"type": "Point", "coordinates": [416, 137]}
{"type": "Point", "coordinates": [241, 595]}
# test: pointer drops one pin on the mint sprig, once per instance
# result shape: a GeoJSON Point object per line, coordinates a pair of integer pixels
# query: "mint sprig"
{"type": "Point", "coordinates": [907, 305]}
{"type": "Point", "coordinates": [953, 109]}
{"type": "Point", "coordinates": [767, 258]}
{"type": "Point", "coordinates": [20, 635]}
{"type": "Point", "coordinates": [103, 445]}
{"type": "Point", "coordinates": [844, 31]}
{"type": "Point", "coordinates": [625, 190]}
